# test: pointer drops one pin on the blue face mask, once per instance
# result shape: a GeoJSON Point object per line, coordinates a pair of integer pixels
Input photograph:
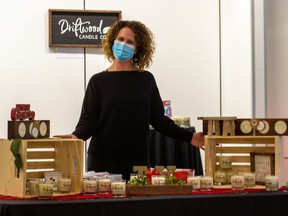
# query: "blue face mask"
{"type": "Point", "coordinates": [123, 51]}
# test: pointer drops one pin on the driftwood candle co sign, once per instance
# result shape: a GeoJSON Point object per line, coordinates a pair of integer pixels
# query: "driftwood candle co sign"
{"type": "Point", "coordinates": [79, 28]}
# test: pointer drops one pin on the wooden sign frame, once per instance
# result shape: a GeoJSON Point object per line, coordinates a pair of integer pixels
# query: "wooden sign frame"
{"type": "Point", "coordinates": [262, 164]}
{"type": "Point", "coordinates": [80, 28]}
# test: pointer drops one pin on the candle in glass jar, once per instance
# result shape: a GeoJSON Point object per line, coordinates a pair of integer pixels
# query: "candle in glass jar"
{"type": "Point", "coordinates": [225, 162]}
{"type": "Point", "coordinates": [185, 121]}
{"type": "Point", "coordinates": [206, 183]}
{"type": "Point", "coordinates": [229, 174]}
{"type": "Point", "coordinates": [237, 182]}
{"type": "Point", "coordinates": [89, 186]}
{"type": "Point", "coordinates": [271, 183]}
{"type": "Point", "coordinates": [220, 178]}
{"type": "Point", "coordinates": [45, 190]}
{"type": "Point", "coordinates": [103, 185]}
{"type": "Point", "coordinates": [33, 187]}
{"type": "Point", "coordinates": [64, 185]}
{"type": "Point", "coordinates": [194, 181]}
{"type": "Point", "coordinates": [177, 120]}
{"type": "Point", "coordinates": [249, 179]}
{"type": "Point", "coordinates": [157, 180]}
{"type": "Point", "coordinates": [118, 188]}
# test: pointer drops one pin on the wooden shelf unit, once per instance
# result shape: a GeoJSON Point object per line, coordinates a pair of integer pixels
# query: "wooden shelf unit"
{"type": "Point", "coordinates": [64, 155]}
{"type": "Point", "coordinates": [240, 151]}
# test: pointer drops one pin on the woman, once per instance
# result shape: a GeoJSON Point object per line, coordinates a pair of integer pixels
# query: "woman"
{"type": "Point", "coordinates": [121, 102]}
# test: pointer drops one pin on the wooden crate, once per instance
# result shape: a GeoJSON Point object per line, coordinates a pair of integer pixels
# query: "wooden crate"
{"type": "Point", "coordinates": [39, 156]}
{"type": "Point", "coordinates": [237, 147]}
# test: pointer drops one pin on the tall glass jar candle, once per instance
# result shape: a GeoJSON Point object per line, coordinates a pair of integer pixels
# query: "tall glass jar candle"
{"type": "Point", "coordinates": [118, 188]}
{"type": "Point", "coordinates": [220, 178]}
{"type": "Point", "coordinates": [103, 185]}
{"type": "Point", "coordinates": [249, 179]}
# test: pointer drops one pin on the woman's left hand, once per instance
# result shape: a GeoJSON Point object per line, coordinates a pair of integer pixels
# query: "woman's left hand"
{"type": "Point", "coordinates": [198, 140]}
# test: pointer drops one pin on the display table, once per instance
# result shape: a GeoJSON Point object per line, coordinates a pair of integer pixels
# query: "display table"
{"type": "Point", "coordinates": [165, 151]}
{"type": "Point", "coordinates": [242, 203]}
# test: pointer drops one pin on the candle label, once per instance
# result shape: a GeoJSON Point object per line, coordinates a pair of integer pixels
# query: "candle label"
{"type": "Point", "coordinates": [225, 162]}
{"type": "Point", "coordinates": [220, 177]}
{"type": "Point", "coordinates": [89, 187]}
{"type": "Point", "coordinates": [195, 182]}
{"type": "Point", "coordinates": [104, 185]}
{"type": "Point", "coordinates": [64, 185]}
{"type": "Point", "coordinates": [158, 180]}
{"type": "Point", "coordinates": [249, 180]}
{"type": "Point", "coordinates": [237, 182]}
{"type": "Point", "coordinates": [271, 183]}
{"type": "Point", "coordinates": [45, 190]}
{"type": "Point", "coordinates": [118, 188]}
{"type": "Point", "coordinates": [206, 183]}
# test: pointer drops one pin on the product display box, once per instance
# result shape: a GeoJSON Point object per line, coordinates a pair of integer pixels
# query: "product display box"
{"type": "Point", "coordinates": [28, 129]}
{"type": "Point", "coordinates": [39, 156]}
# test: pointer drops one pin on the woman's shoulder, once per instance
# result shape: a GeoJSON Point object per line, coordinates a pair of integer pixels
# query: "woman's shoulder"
{"type": "Point", "coordinates": [147, 74]}
{"type": "Point", "coordinates": [98, 75]}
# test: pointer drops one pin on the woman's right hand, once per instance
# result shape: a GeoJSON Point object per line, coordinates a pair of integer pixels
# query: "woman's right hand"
{"type": "Point", "coordinates": [66, 136]}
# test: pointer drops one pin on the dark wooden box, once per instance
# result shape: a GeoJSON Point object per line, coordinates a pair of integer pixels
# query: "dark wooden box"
{"type": "Point", "coordinates": [28, 129]}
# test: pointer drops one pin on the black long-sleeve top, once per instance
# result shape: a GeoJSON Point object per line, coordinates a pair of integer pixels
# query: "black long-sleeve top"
{"type": "Point", "coordinates": [117, 110]}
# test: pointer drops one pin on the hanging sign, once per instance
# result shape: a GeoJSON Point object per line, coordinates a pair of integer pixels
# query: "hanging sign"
{"type": "Point", "coordinates": [79, 28]}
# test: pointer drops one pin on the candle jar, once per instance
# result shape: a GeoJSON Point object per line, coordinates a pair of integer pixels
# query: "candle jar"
{"type": "Point", "coordinates": [194, 181]}
{"type": "Point", "coordinates": [185, 121]}
{"type": "Point", "coordinates": [177, 120]}
{"type": "Point", "coordinates": [228, 176]}
{"type": "Point", "coordinates": [89, 186]}
{"type": "Point", "coordinates": [33, 187]}
{"type": "Point", "coordinates": [103, 185]}
{"type": "Point", "coordinates": [271, 183]}
{"type": "Point", "coordinates": [158, 179]}
{"type": "Point", "coordinates": [45, 190]}
{"type": "Point", "coordinates": [249, 179]}
{"type": "Point", "coordinates": [225, 162]}
{"type": "Point", "coordinates": [220, 178]}
{"type": "Point", "coordinates": [118, 188]}
{"type": "Point", "coordinates": [133, 176]}
{"type": "Point", "coordinates": [64, 185]}
{"type": "Point", "coordinates": [206, 183]}
{"type": "Point", "coordinates": [237, 182]}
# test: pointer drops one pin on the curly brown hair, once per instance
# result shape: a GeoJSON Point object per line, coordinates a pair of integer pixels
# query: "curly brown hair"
{"type": "Point", "coordinates": [144, 43]}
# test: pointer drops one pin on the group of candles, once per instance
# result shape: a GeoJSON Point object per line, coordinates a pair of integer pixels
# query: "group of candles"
{"type": "Point", "coordinates": [45, 189]}
{"type": "Point", "coordinates": [91, 186]}
{"type": "Point", "coordinates": [240, 180]}
{"type": "Point", "coordinates": [104, 186]}
{"type": "Point", "coordinates": [182, 121]}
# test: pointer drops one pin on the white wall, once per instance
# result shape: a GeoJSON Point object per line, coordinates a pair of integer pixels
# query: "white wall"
{"type": "Point", "coordinates": [236, 58]}
{"type": "Point", "coordinates": [186, 63]}
{"type": "Point", "coordinates": [31, 72]}
{"type": "Point", "coordinates": [276, 64]}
